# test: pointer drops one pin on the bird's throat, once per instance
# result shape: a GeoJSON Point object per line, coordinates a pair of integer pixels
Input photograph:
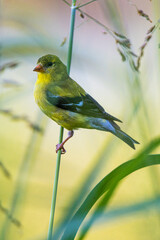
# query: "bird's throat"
{"type": "Point", "coordinates": [43, 78]}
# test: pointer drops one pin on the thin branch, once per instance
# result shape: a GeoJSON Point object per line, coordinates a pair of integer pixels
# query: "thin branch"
{"type": "Point", "coordinates": [146, 41]}
{"type": "Point", "coordinates": [8, 65]}
{"type": "Point", "coordinates": [23, 118]}
{"type": "Point", "coordinates": [86, 4]}
{"type": "Point", "coordinates": [66, 2]}
{"type": "Point", "coordinates": [94, 20]}
{"type": "Point", "coordinates": [5, 170]}
{"type": "Point", "coordinates": [98, 22]}
{"type": "Point", "coordinates": [10, 217]}
{"type": "Point", "coordinates": [123, 42]}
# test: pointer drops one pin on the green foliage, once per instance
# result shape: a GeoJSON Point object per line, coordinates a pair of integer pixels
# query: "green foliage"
{"type": "Point", "coordinates": [109, 184]}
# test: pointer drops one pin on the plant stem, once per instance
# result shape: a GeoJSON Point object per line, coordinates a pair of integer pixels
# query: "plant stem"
{"type": "Point", "coordinates": [53, 204]}
{"type": "Point", "coordinates": [55, 186]}
{"type": "Point", "coordinates": [86, 3]}
{"type": "Point", "coordinates": [73, 12]}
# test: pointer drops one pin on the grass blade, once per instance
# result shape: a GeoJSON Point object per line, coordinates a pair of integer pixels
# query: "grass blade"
{"type": "Point", "coordinates": [109, 182]}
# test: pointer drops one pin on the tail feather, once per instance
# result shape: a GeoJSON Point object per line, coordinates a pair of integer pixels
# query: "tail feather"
{"type": "Point", "coordinates": [126, 138]}
{"type": "Point", "coordinates": [111, 126]}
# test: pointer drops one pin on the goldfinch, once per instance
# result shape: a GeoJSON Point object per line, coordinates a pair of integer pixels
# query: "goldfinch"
{"type": "Point", "coordinates": [67, 103]}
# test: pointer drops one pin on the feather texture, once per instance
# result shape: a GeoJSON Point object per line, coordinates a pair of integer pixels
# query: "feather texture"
{"type": "Point", "coordinates": [83, 104]}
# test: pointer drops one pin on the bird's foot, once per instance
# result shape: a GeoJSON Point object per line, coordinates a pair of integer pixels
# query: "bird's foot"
{"type": "Point", "coordinates": [60, 147]}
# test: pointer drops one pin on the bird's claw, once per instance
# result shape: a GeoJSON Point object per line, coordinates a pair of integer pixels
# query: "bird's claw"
{"type": "Point", "coordinates": [60, 147]}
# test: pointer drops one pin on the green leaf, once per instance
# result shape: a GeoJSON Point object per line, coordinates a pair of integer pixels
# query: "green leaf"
{"type": "Point", "coordinates": [111, 215]}
{"type": "Point", "coordinates": [109, 183]}
{"type": "Point", "coordinates": [100, 208]}
{"type": "Point", "coordinates": [144, 206]}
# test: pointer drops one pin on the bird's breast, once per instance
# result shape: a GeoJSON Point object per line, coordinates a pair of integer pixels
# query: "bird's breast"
{"type": "Point", "coordinates": [49, 109]}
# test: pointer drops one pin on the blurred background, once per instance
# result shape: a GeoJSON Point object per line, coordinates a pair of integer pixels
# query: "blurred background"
{"type": "Point", "coordinates": [31, 29]}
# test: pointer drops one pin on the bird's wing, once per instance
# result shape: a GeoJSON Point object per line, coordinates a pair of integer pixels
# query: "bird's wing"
{"type": "Point", "coordinates": [79, 102]}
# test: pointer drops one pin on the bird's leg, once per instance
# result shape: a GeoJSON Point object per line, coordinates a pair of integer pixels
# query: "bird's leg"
{"type": "Point", "coordinates": [61, 145]}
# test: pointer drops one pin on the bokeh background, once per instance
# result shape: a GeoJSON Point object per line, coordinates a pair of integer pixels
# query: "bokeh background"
{"type": "Point", "coordinates": [30, 29]}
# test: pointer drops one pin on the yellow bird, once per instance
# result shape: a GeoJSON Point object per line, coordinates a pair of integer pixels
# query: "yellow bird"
{"type": "Point", "coordinates": [67, 103]}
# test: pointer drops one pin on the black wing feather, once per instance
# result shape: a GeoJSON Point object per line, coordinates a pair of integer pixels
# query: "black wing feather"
{"type": "Point", "coordinates": [84, 104]}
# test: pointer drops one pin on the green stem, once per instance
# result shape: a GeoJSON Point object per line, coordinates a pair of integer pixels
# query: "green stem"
{"type": "Point", "coordinates": [53, 204]}
{"type": "Point", "coordinates": [86, 3]}
{"type": "Point", "coordinates": [73, 13]}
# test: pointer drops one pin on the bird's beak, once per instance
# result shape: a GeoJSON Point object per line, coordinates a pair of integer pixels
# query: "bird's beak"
{"type": "Point", "coordinates": [39, 68]}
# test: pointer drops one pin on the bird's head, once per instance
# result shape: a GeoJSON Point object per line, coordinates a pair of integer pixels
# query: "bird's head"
{"type": "Point", "coordinates": [49, 64]}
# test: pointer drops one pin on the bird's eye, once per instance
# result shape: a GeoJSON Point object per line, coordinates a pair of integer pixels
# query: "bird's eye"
{"type": "Point", "coordinates": [50, 64]}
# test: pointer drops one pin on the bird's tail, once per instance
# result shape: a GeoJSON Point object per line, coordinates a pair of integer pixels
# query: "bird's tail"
{"type": "Point", "coordinates": [126, 138]}
{"type": "Point", "coordinates": [111, 126]}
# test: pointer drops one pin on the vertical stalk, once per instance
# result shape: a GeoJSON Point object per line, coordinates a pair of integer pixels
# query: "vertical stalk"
{"type": "Point", "coordinates": [58, 161]}
{"type": "Point", "coordinates": [69, 58]}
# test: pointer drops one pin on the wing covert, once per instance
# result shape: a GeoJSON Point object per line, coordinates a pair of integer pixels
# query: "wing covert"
{"type": "Point", "coordinates": [83, 104]}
